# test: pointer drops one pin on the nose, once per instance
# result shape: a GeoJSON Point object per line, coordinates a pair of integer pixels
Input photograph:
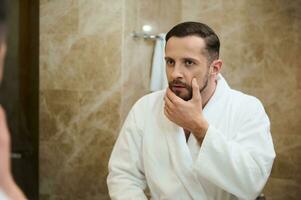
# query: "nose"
{"type": "Point", "coordinates": [176, 72]}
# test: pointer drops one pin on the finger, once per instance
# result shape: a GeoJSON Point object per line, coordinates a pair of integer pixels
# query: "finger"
{"type": "Point", "coordinates": [169, 110]}
{"type": "Point", "coordinates": [170, 95]}
{"type": "Point", "coordinates": [166, 112]}
{"type": "Point", "coordinates": [168, 103]}
{"type": "Point", "coordinates": [173, 97]}
{"type": "Point", "coordinates": [195, 89]}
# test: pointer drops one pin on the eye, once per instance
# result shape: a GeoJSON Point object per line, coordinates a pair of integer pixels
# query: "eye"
{"type": "Point", "coordinates": [169, 62]}
{"type": "Point", "coordinates": [189, 62]}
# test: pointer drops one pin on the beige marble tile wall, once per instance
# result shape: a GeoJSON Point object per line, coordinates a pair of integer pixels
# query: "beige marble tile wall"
{"type": "Point", "coordinates": [91, 72]}
{"type": "Point", "coordinates": [137, 53]}
{"type": "Point", "coordinates": [80, 95]}
{"type": "Point", "coordinates": [261, 44]}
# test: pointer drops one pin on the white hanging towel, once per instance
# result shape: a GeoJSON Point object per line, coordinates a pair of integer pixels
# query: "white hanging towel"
{"type": "Point", "coordinates": [158, 79]}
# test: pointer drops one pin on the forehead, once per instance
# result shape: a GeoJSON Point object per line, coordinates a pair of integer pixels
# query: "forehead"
{"type": "Point", "coordinates": [185, 46]}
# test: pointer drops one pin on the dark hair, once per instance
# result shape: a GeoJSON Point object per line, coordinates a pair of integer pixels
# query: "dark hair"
{"type": "Point", "coordinates": [2, 18]}
{"type": "Point", "coordinates": [199, 29]}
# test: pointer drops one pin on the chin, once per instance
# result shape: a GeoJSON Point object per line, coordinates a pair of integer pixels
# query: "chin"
{"type": "Point", "coordinates": [185, 97]}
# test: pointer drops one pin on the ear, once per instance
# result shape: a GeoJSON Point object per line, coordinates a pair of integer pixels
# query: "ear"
{"type": "Point", "coordinates": [216, 67]}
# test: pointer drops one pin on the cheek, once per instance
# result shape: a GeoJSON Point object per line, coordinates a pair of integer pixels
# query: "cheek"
{"type": "Point", "coordinates": [168, 73]}
{"type": "Point", "coordinates": [194, 74]}
{"type": "Point", "coordinates": [201, 74]}
{"type": "Point", "coordinates": [201, 77]}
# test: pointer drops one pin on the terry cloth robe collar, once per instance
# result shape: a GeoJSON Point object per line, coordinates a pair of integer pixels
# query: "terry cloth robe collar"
{"type": "Point", "coordinates": [183, 155]}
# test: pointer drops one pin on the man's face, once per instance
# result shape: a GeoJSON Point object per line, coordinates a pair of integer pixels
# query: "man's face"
{"type": "Point", "coordinates": [185, 60]}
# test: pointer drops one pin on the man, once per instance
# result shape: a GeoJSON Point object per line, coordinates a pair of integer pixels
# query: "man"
{"type": "Point", "coordinates": [199, 139]}
{"type": "Point", "coordinates": [8, 188]}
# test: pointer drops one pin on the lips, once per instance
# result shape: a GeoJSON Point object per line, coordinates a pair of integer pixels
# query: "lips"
{"type": "Point", "coordinates": [178, 86]}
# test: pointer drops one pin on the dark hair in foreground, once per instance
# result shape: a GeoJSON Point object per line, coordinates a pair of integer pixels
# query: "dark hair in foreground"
{"type": "Point", "coordinates": [2, 19]}
{"type": "Point", "coordinates": [201, 30]}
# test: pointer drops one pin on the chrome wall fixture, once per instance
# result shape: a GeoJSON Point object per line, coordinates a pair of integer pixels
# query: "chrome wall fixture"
{"type": "Point", "coordinates": [146, 36]}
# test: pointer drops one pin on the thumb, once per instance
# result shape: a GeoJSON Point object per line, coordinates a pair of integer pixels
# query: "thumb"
{"type": "Point", "coordinates": [195, 89]}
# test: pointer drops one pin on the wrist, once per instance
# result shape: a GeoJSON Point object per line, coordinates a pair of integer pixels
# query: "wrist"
{"type": "Point", "coordinates": [200, 129]}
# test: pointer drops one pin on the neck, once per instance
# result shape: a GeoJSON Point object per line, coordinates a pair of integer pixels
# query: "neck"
{"type": "Point", "coordinates": [208, 92]}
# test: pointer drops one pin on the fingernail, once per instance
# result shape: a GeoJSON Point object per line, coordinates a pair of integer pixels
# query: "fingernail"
{"type": "Point", "coordinates": [194, 80]}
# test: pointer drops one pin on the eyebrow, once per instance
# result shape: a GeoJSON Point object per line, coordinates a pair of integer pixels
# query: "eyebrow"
{"type": "Point", "coordinates": [185, 58]}
{"type": "Point", "coordinates": [193, 59]}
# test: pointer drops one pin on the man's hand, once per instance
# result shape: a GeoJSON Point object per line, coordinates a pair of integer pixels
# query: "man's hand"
{"type": "Point", "coordinates": [187, 114]}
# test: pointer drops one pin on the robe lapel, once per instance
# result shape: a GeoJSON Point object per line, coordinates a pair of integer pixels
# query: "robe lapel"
{"type": "Point", "coordinates": [181, 159]}
{"type": "Point", "coordinates": [180, 154]}
{"type": "Point", "coordinates": [219, 94]}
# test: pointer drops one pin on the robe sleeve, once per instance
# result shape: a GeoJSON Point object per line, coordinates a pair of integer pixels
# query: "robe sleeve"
{"type": "Point", "coordinates": [126, 178]}
{"type": "Point", "coordinates": [240, 164]}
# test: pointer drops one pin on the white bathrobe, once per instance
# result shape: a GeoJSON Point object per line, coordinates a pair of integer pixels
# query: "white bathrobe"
{"type": "Point", "coordinates": [3, 195]}
{"type": "Point", "coordinates": [233, 162]}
